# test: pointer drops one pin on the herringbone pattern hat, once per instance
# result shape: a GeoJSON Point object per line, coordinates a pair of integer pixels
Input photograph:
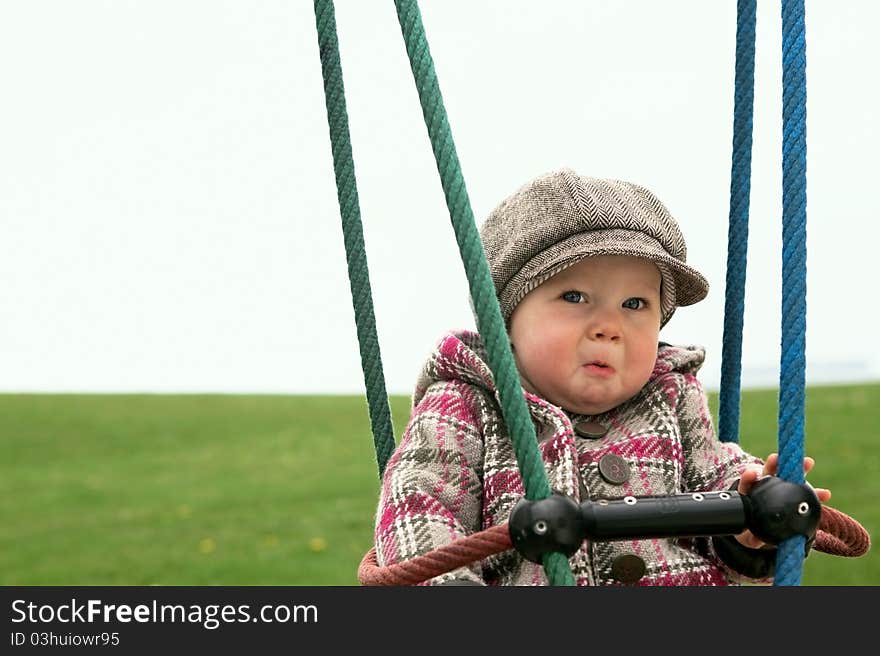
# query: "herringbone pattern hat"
{"type": "Point", "coordinates": [560, 218]}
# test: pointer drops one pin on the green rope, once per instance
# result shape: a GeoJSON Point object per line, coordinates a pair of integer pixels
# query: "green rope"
{"type": "Point", "coordinates": [353, 233]}
{"type": "Point", "coordinates": [489, 320]}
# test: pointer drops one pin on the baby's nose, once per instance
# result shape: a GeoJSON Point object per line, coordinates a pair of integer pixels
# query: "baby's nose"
{"type": "Point", "coordinates": [605, 328]}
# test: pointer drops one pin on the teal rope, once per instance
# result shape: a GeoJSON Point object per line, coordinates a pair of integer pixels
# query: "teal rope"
{"type": "Point", "coordinates": [789, 561]}
{"type": "Point", "coordinates": [489, 320]}
{"type": "Point", "coordinates": [353, 234]}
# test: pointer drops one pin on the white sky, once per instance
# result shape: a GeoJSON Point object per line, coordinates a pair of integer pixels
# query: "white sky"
{"type": "Point", "coordinates": [168, 216]}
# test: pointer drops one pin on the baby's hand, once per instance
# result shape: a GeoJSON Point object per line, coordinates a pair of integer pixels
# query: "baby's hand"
{"type": "Point", "coordinates": [750, 477]}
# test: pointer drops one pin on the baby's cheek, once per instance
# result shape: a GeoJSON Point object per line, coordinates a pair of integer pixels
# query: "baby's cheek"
{"type": "Point", "coordinates": [544, 348]}
{"type": "Point", "coordinates": [543, 363]}
{"type": "Point", "coordinates": [556, 366]}
{"type": "Point", "coordinates": [642, 362]}
{"type": "Point", "coordinates": [531, 360]}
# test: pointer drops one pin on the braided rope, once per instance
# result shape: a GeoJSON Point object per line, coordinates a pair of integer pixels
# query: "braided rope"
{"type": "Point", "coordinates": [447, 558]}
{"type": "Point", "coordinates": [353, 234]}
{"type": "Point", "coordinates": [489, 320]}
{"type": "Point", "coordinates": [738, 227]}
{"type": "Point", "coordinates": [838, 534]}
{"type": "Point", "coordinates": [841, 535]}
{"type": "Point", "coordinates": [794, 271]}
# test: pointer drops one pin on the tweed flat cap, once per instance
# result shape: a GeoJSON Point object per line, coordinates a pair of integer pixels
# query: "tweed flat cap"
{"type": "Point", "coordinates": [558, 219]}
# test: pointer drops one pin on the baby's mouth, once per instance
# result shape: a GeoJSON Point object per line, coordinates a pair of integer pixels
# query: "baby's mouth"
{"type": "Point", "coordinates": [599, 366]}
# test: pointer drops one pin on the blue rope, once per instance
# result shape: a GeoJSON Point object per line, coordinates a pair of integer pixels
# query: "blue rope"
{"type": "Point", "coordinates": [738, 230]}
{"type": "Point", "coordinates": [789, 563]}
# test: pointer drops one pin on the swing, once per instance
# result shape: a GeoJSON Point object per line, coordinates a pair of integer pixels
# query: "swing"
{"type": "Point", "coordinates": [545, 527]}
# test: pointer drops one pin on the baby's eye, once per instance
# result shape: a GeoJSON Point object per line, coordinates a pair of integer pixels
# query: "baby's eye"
{"type": "Point", "coordinates": [635, 303]}
{"type": "Point", "coordinates": [573, 297]}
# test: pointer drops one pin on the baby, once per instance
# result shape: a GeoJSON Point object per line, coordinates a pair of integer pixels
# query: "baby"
{"type": "Point", "coordinates": [586, 271]}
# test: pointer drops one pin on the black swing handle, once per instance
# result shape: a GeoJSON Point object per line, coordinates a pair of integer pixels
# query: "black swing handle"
{"type": "Point", "coordinates": [774, 510]}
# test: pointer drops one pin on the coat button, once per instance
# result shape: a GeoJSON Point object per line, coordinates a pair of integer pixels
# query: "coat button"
{"type": "Point", "coordinates": [592, 430]}
{"type": "Point", "coordinates": [613, 469]}
{"type": "Point", "coordinates": [628, 568]}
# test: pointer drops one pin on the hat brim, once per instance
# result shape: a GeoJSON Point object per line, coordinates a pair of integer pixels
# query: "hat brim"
{"type": "Point", "coordinates": [690, 285]}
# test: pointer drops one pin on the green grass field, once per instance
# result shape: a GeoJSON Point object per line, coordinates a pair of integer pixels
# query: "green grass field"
{"type": "Point", "coordinates": [281, 490]}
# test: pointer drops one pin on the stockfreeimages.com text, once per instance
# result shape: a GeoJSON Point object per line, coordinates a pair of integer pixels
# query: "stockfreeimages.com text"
{"type": "Point", "coordinates": [210, 616]}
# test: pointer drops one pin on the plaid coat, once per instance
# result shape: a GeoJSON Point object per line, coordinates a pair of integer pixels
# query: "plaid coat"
{"type": "Point", "coordinates": [455, 471]}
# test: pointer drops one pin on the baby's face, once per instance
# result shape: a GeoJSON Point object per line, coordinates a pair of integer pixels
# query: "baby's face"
{"type": "Point", "coordinates": [586, 339]}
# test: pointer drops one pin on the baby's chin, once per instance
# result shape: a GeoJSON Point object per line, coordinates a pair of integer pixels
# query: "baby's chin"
{"type": "Point", "coordinates": [594, 406]}
{"type": "Point", "coordinates": [596, 401]}
{"type": "Point", "coordinates": [588, 409]}
{"type": "Point", "coordinates": [587, 402]}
